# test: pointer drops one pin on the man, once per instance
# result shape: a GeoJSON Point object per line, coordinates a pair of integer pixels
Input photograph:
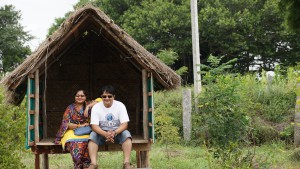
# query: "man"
{"type": "Point", "coordinates": [109, 121]}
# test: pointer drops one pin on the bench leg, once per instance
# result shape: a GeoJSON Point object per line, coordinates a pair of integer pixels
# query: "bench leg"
{"type": "Point", "coordinates": [142, 159]}
{"type": "Point", "coordinates": [45, 161]}
{"type": "Point", "coordinates": [37, 161]}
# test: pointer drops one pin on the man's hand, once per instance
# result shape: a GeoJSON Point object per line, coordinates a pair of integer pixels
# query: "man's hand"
{"type": "Point", "coordinates": [110, 136]}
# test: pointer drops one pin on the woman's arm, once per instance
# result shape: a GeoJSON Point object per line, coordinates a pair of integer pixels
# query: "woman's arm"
{"type": "Point", "coordinates": [89, 107]}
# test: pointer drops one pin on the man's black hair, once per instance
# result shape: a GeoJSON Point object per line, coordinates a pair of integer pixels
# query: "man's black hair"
{"type": "Point", "coordinates": [109, 89]}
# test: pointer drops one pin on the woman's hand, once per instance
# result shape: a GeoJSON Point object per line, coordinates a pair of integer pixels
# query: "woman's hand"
{"type": "Point", "coordinates": [84, 124]}
{"type": "Point", "coordinates": [89, 106]}
{"type": "Point", "coordinates": [86, 112]}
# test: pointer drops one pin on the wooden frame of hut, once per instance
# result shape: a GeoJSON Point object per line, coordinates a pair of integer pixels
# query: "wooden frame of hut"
{"type": "Point", "coordinates": [87, 52]}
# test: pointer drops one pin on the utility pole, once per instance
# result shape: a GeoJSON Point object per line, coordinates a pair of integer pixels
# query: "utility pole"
{"type": "Point", "coordinates": [196, 52]}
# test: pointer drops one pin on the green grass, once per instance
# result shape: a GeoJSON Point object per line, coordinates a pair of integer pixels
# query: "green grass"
{"type": "Point", "coordinates": [273, 155]}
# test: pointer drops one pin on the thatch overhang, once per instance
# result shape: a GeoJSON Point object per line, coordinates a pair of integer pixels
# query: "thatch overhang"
{"type": "Point", "coordinates": [87, 20]}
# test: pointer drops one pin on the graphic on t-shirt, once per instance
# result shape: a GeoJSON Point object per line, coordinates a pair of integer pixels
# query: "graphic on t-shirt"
{"type": "Point", "coordinates": [110, 122]}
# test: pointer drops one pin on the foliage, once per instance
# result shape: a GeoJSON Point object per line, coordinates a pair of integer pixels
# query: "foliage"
{"type": "Point", "coordinates": [292, 15]}
{"type": "Point", "coordinates": [250, 31]}
{"type": "Point", "coordinates": [57, 23]}
{"type": "Point", "coordinates": [233, 156]}
{"type": "Point", "coordinates": [12, 134]}
{"type": "Point", "coordinates": [215, 67]}
{"type": "Point", "coordinates": [166, 27]}
{"type": "Point", "coordinates": [169, 57]}
{"type": "Point", "coordinates": [12, 39]}
{"type": "Point", "coordinates": [168, 115]}
{"type": "Point", "coordinates": [224, 118]}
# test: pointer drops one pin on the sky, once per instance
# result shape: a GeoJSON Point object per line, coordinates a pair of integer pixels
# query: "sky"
{"type": "Point", "coordinates": [39, 15]}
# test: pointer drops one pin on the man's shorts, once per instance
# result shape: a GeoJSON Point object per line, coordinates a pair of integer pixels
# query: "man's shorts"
{"type": "Point", "coordinates": [119, 139]}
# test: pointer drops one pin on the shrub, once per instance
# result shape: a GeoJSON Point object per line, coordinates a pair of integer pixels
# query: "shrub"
{"type": "Point", "coordinates": [168, 109]}
{"type": "Point", "coordinates": [223, 117]}
{"type": "Point", "coordinates": [12, 133]}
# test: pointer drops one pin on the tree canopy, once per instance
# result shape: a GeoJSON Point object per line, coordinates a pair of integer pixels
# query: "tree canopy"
{"type": "Point", "coordinates": [12, 39]}
{"type": "Point", "coordinates": [291, 8]}
{"type": "Point", "coordinates": [249, 30]}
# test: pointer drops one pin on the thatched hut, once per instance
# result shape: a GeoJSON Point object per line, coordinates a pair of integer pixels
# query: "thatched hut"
{"type": "Point", "coordinates": [87, 51]}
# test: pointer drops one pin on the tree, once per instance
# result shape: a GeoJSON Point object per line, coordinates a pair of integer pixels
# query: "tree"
{"type": "Point", "coordinates": [292, 15]}
{"type": "Point", "coordinates": [12, 39]}
{"type": "Point", "coordinates": [162, 24]}
{"type": "Point", "coordinates": [249, 30]}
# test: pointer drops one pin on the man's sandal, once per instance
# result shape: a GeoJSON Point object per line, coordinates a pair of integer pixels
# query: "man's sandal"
{"type": "Point", "coordinates": [93, 166]}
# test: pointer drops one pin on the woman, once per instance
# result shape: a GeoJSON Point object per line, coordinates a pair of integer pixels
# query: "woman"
{"type": "Point", "coordinates": [76, 115]}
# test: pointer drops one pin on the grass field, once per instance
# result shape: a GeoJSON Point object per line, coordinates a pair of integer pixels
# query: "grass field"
{"type": "Point", "coordinates": [274, 155]}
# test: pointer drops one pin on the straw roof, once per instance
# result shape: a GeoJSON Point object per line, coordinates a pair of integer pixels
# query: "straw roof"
{"type": "Point", "coordinates": [80, 20]}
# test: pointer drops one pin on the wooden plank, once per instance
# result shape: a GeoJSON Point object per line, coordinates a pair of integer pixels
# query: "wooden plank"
{"type": "Point", "coordinates": [37, 107]}
{"type": "Point", "coordinates": [49, 141]}
{"type": "Point", "coordinates": [57, 149]}
{"type": "Point", "coordinates": [145, 105]}
{"type": "Point", "coordinates": [149, 93]}
{"type": "Point", "coordinates": [31, 112]}
{"type": "Point", "coordinates": [28, 111]}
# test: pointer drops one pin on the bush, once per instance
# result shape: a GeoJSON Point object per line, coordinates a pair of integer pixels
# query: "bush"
{"type": "Point", "coordinates": [12, 134]}
{"type": "Point", "coordinates": [223, 117]}
{"type": "Point", "coordinates": [168, 113]}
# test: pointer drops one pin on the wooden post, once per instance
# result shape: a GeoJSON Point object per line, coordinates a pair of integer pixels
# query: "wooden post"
{"type": "Point", "coordinates": [186, 115]}
{"type": "Point", "coordinates": [45, 161]}
{"type": "Point", "coordinates": [145, 104]}
{"type": "Point", "coordinates": [28, 109]}
{"type": "Point", "coordinates": [142, 159]}
{"type": "Point", "coordinates": [297, 116]}
{"type": "Point", "coordinates": [37, 107]}
{"type": "Point", "coordinates": [37, 161]}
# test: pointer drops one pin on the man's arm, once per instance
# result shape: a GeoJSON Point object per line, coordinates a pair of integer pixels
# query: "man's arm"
{"type": "Point", "coordinates": [97, 129]}
{"type": "Point", "coordinates": [121, 128]}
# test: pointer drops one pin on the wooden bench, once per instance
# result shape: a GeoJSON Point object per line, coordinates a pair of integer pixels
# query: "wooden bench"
{"type": "Point", "coordinates": [46, 146]}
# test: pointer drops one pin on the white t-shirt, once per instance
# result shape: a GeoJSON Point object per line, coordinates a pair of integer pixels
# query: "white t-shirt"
{"type": "Point", "coordinates": [109, 118]}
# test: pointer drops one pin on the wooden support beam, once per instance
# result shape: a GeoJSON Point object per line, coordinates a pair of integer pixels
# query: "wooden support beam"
{"type": "Point", "coordinates": [28, 111]}
{"type": "Point", "coordinates": [37, 107]}
{"type": "Point", "coordinates": [37, 161]}
{"type": "Point", "coordinates": [142, 159]}
{"type": "Point", "coordinates": [44, 161]}
{"type": "Point", "coordinates": [145, 105]}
